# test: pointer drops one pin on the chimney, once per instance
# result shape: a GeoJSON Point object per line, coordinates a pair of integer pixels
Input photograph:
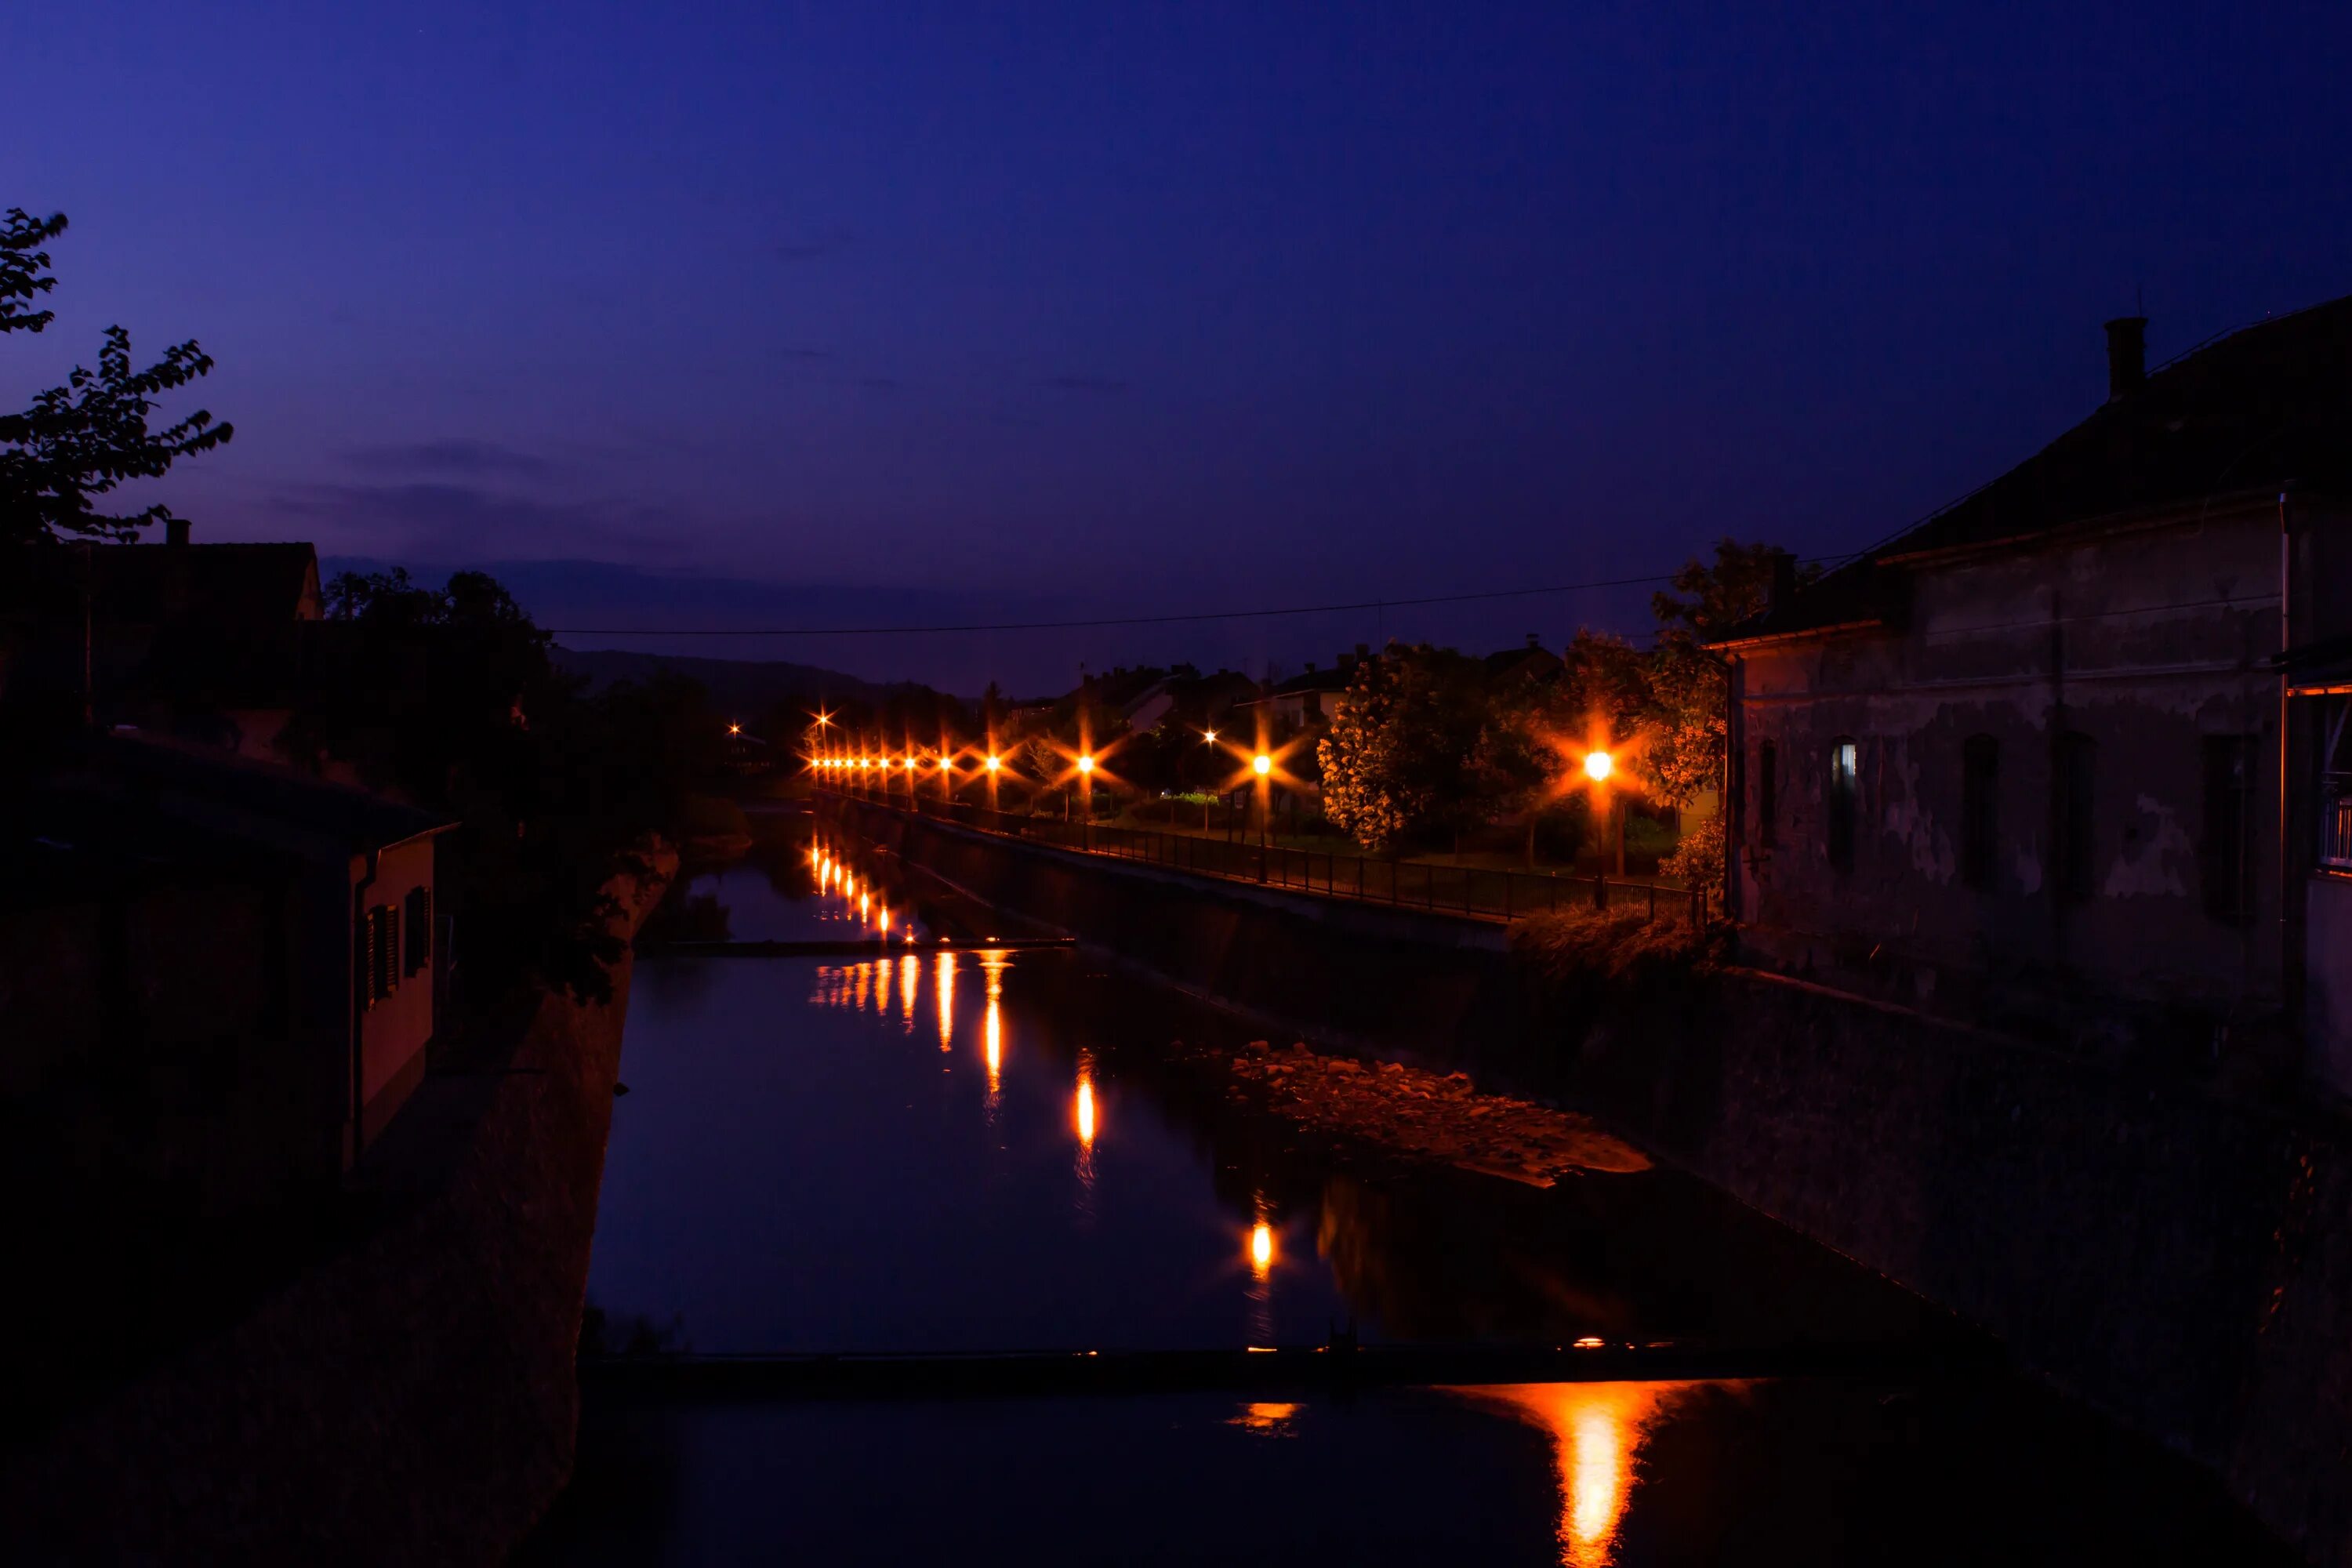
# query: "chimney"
{"type": "Point", "coordinates": [175, 531]}
{"type": "Point", "coordinates": [1347, 662]}
{"type": "Point", "coordinates": [1533, 642]}
{"type": "Point", "coordinates": [2127, 356]}
{"type": "Point", "coordinates": [1363, 650]}
{"type": "Point", "coordinates": [1784, 579]}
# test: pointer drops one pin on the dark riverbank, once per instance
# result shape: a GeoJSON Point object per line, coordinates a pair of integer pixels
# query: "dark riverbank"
{"type": "Point", "coordinates": [411, 1396]}
{"type": "Point", "coordinates": [2180, 1263]}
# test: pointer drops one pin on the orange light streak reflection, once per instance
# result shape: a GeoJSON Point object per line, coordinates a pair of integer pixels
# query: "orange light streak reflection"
{"type": "Point", "coordinates": [945, 986]}
{"type": "Point", "coordinates": [1597, 1431]}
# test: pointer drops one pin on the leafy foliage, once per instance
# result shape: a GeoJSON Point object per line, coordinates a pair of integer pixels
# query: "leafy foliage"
{"type": "Point", "coordinates": [1425, 743]}
{"type": "Point", "coordinates": [78, 443]}
{"type": "Point", "coordinates": [1622, 944]}
{"type": "Point", "coordinates": [447, 696]}
{"type": "Point", "coordinates": [1708, 600]}
{"type": "Point", "coordinates": [1405, 753]}
{"type": "Point", "coordinates": [1366, 792]}
{"type": "Point", "coordinates": [1698, 859]}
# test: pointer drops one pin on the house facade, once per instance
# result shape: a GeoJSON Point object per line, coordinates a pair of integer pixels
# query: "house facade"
{"type": "Point", "coordinates": [261, 949]}
{"type": "Point", "coordinates": [2048, 747]}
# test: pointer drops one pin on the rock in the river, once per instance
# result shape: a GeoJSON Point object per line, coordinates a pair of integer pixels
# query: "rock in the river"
{"type": "Point", "coordinates": [1440, 1117]}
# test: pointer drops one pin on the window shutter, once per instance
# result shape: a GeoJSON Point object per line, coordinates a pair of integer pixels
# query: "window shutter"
{"type": "Point", "coordinates": [364, 959]}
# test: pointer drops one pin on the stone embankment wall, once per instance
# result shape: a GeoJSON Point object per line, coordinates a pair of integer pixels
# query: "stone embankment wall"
{"type": "Point", "coordinates": [2173, 1257]}
{"type": "Point", "coordinates": [1314, 966]}
{"type": "Point", "coordinates": [413, 1397]}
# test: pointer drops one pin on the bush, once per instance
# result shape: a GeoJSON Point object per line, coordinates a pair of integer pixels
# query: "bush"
{"type": "Point", "coordinates": [1619, 944]}
{"type": "Point", "coordinates": [1698, 859]}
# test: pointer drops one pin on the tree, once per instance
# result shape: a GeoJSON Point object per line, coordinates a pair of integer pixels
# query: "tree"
{"type": "Point", "coordinates": [1708, 600]}
{"type": "Point", "coordinates": [1516, 764]}
{"type": "Point", "coordinates": [1604, 686]}
{"type": "Point", "coordinates": [1401, 757]}
{"type": "Point", "coordinates": [78, 442]}
{"type": "Point", "coordinates": [1689, 693]}
{"type": "Point", "coordinates": [1365, 793]}
{"type": "Point", "coordinates": [447, 696]}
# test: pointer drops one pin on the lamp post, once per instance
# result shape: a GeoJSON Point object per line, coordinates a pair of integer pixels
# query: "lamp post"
{"type": "Point", "coordinates": [1208, 739]}
{"type": "Point", "coordinates": [1086, 799]}
{"type": "Point", "coordinates": [1262, 765]}
{"type": "Point", "coordinates": [1598, 767]}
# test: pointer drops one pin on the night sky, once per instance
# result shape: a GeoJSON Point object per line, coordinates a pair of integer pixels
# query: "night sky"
{"type": "Point", "coordinates": [789, 316]}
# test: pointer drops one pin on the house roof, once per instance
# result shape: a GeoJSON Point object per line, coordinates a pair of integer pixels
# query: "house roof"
{"type": "Point", "coordinates": [61, 847]}
{"type": "Point", "coordinates": [176, 779]}
{"type": "Point", "coordinates": [2260, 409]}
{"type": "Point", "coordinates": [221, 585]}
{"type": "Point", "coordinates": [1533, 659]}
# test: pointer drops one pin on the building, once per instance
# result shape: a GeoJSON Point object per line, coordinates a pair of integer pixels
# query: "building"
{"type": "Point", "coordinates": [1311, 698]}
{"type": "Point", "coordinates": [1532, 664]}
{"type": "Point", "coordinates": [219, 975]}
{"type": "Point", "coordinates": [210, 642]}
{"type": "Point", "coordinates": [2078, 738]}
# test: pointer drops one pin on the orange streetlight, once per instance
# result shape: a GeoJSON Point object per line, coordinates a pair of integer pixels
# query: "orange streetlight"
{"type": "Point", "coordinates": [1262, 764]}
{"type": "Point", "coordinates": [1086, 764]}
{"type": "Point", "coordinates": [1599, 769]}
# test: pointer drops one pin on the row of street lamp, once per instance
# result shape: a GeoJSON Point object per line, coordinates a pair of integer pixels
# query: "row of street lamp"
{"type": "Point", "coordinates": [1598, 765]}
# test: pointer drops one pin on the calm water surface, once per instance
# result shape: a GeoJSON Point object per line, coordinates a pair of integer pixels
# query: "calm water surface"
{"type": "Point", "coordinates": [968, 1150]}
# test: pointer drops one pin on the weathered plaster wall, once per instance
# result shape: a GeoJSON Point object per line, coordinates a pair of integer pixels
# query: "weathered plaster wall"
{"type": "Point", "coordinates": [2327, 997]}
{"type": "Point", "coordinates": [411, 1397]}
{"type": "Point", "coordinates": [2146, 643]}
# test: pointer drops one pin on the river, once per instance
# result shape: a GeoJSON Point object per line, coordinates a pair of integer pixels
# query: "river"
{"type": "Point", "coordinates": [959, 1150]}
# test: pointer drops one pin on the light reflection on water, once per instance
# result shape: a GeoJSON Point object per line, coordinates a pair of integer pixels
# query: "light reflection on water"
{"type": "Point", "coordinates": [1597, 1431]}
{"type": "Point", "coordinates": [795, 1172]}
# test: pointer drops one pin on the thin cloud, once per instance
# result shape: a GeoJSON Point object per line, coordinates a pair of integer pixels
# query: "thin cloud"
{"type": "Point", "coordinates": [465, 521]}
{"type": "Point", "coordinates": [449, 454]}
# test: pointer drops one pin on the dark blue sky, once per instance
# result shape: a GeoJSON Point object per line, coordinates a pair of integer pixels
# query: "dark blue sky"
{"type": "Point", "coordinates": [844, 312]}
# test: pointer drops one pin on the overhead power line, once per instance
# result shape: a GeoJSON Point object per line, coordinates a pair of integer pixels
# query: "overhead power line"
{"type": "Point", "coordinates": [1198, 616]}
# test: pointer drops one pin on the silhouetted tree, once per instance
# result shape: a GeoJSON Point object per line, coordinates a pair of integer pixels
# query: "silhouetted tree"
{"type": "Point", "coordinates": [79, 441]}
{"type": "Point", "coordinates": [447, 696]}
{"type": "Point", "coordinates": [1689, 693]}
{"type": "Point", "coordinates": [1708, 600]}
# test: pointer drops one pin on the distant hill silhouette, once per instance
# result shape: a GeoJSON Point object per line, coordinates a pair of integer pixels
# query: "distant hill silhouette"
{"type": "Point", "coordinates": [744, 688]}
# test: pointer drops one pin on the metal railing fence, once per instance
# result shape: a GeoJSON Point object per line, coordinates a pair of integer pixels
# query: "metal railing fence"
{"type": "Point", "coordinates": [1472, 892]}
